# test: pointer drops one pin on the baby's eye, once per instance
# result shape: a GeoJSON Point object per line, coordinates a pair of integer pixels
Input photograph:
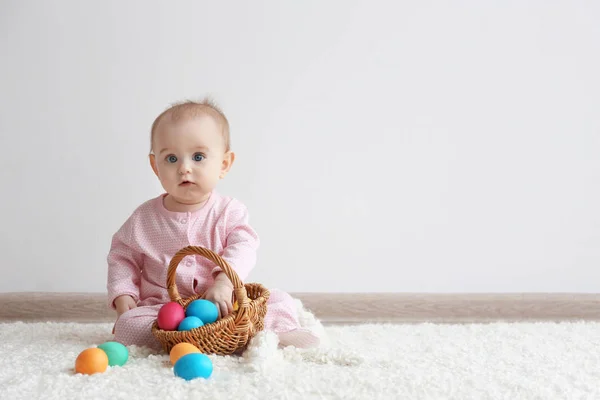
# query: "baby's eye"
{"type": "Point", "coordinates": [171, 159]}
{"type": "Point", "coordinates": [198, 157]}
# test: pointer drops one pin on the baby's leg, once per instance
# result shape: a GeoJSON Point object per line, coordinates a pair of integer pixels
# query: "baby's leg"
{"type": "Point", "coordinates": [282, 318]}
{"type": "Point", "coordinates": [135, 327]}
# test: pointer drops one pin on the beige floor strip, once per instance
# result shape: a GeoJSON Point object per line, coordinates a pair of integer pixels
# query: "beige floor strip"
{"type": "Point", "coordinates": [342, 308]}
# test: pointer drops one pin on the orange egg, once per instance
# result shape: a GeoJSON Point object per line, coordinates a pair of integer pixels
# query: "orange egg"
{"type": "Point", "coordinates": [180, 350]}
{"type": "Point", "coordinates": [91, 361]}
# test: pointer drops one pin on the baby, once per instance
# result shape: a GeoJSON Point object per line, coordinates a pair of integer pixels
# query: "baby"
{"type": "Point", "coordinates": [190, 153]}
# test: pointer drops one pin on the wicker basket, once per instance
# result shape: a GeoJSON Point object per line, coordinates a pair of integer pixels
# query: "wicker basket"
{"type": "Point", "coordinates": [228, 335]}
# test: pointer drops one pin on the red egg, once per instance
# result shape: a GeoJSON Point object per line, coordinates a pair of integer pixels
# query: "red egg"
{"type": "Point", "coordinates": [170, 316]}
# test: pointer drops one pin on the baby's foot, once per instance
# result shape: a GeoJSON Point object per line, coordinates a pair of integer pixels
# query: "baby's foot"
{"type": "Point", "coordinates": [301, 338]}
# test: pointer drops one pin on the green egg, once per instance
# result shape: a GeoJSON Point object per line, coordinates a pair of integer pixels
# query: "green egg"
{"type": "Point", "coordinates": [116, 352]}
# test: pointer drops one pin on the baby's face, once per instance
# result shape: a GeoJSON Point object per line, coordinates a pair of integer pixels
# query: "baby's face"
{"type": "Point", "coordinates": [189, 157]}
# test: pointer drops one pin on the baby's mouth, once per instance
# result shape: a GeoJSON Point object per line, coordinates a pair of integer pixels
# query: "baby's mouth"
{"type": "Point", "coordinates": [186, 183]}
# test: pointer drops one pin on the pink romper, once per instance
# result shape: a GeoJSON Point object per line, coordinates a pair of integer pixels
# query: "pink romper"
{"type": "Point", "coordinates": [143, 247]}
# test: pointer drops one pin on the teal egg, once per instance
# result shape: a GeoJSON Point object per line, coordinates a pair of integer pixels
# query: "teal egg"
{"type": "Point", "coordinates": [190, 323]}
{"type": "Point", "coordinates": [116, 352]}
{"type": "Point", "coordinates": [205, 310]}
{"type": "Point", "coordinates": [192, 366]}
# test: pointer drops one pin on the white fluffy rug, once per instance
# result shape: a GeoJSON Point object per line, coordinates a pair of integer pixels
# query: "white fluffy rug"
{"type": "Point", "coordinates": [425, 361]}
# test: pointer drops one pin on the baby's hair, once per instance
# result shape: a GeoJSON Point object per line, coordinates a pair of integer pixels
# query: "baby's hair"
{"type": "Point", "coordinates": [191, 109]}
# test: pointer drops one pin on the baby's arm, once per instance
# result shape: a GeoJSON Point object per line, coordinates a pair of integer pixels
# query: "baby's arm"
{"type": "Point", "coordinates": [241, 241]}
{"type": "Point", "coordinates": [124, 269]}
{"type": "Point", "coordinates": [241, 245]}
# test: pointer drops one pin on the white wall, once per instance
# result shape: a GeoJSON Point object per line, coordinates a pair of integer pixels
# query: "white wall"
{"type": "Point", "coordinates": [382, 146]}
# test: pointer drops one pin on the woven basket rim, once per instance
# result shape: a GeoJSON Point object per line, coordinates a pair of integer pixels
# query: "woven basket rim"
{"type": "Point", "coordinates": [230, 318]}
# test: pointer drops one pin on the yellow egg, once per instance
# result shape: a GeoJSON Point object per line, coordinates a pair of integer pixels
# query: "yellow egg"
{"type": "Point", "coordinates": [91, 361]}
{"type": "Point", "coordinates": [180, 350]}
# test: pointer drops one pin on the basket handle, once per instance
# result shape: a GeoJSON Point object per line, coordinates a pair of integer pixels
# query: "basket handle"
{"type": "Point", "coordinates": [239, 290]}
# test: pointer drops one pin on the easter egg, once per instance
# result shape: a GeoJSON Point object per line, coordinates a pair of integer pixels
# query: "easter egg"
{"type": "Point", "coordinates": [204, 309]}
{"type": "Point", "coordinates": [170, 316]}
{"type": "Point", "coordinates": [180, 350]}
{"type": "Point", "coordinates": [190, 323]}
{"type": "Point", "coordinates": [116, 352]}
{"type": "Point", "coordinates": [235, 306]}
{"type": "Point", "coordinates": [192, 366]}
{"type": "Point", "coordinates": [91, 361]}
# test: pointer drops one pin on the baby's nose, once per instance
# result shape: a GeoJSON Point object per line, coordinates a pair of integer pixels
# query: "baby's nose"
{"type": "Point", "coordinates": [184, 167]}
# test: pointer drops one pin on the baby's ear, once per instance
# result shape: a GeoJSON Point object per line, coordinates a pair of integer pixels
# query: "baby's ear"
{"type": "Point", "coordinates": [152, 160]}
{"type": "Point", "coordinates": [228, 160]}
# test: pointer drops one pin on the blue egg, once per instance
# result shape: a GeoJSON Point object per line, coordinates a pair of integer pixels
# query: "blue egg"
{"type": "Point", "coordinates": [192, 366]}
{"type": "Point", "coordinates": [190, 323]}
{"type": "Point", "coordinates": [205, 310]}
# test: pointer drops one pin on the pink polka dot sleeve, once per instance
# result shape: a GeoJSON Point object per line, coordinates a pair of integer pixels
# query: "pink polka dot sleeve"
{"type": "Point", "coordinates": [241, 240]}
{"type": "Point", "coordinates": [124, 266]}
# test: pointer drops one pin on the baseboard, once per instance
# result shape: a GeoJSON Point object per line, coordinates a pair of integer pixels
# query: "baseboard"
{"type": "Point", "coordinates": [452, 308]}
{"type": "Point", "coordinates": [343, 308]}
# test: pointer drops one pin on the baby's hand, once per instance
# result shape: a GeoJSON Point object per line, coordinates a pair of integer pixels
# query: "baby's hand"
{"type": "Point", "coordinates": [220, 294]}
{"type": "Point", "coordinates": [124, 303]}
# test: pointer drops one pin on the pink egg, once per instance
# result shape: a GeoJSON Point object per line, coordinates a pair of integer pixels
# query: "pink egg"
{"type": "Point", "coordinates": [170, 316]}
